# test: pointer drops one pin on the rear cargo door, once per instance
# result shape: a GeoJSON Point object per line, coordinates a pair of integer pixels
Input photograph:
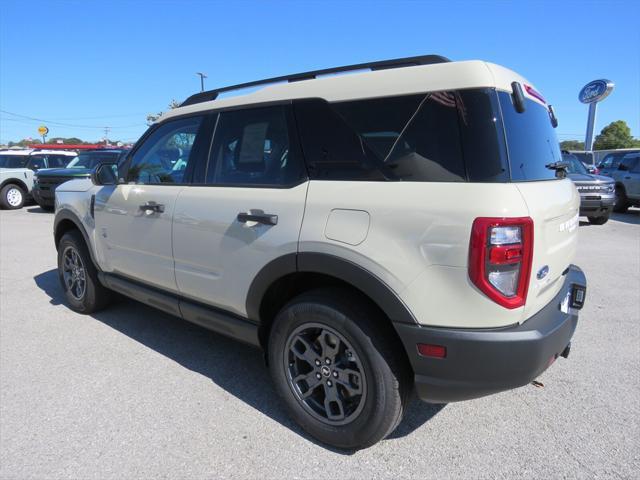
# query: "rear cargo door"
{"type": "Point", "coordinates": [553, 203]}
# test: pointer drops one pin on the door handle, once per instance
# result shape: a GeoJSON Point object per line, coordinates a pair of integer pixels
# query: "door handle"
{"type": "Point", "coordinates": [259, 217]}
{"type": "Point", "coordinates": [627, 178]}
{"type": "Point", "coordinates": [152, 207]}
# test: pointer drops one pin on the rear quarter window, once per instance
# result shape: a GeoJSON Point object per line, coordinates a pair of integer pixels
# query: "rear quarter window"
{"type": "Point", "coordinates": [447, 136]}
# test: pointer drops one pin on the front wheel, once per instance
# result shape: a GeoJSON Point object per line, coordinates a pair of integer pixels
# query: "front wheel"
{"type": "Point", "coordinates": [12, 197]}
{"type": "Point", "coordinates": [598, 220]}
{"type": "Point", "coordinates": [343, 378]}
{"type": "Point", "coordinates": [78, 276]}
{"type": "Point", "coordinates": [622, 202]}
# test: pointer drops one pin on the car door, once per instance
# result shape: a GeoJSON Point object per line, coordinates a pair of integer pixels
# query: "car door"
{"type": "Point", "coordinates": [244, 210]}
{"type": "Point", "coordinates": [133, 219]}
{"type": "Point", "coordinates": [630, 176]}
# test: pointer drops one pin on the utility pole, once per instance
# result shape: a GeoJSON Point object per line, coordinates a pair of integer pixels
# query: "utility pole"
{"type": "Point", "coordinates": [106, 135]}
{"type": "Point", "coordinates": [202, 77]}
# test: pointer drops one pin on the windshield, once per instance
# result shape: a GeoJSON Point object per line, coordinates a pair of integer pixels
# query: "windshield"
{"type": "Point", "coordinates": [13, 161]}
{"type": "Point", "coordinates": [531, 140]}
{"type": "Point", "coordinates": [574, 165]}
{"type": "Point", "coordinates": [91, 159]}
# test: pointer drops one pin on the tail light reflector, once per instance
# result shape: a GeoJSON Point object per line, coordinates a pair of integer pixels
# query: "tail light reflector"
{"type": "Point", "coordinates": [500, 256]}
{"type": "Point", "coordinates": [435, 351]}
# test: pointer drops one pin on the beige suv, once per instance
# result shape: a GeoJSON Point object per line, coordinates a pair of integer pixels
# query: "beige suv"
{"type": "Point", "coordinates": [374, 233]}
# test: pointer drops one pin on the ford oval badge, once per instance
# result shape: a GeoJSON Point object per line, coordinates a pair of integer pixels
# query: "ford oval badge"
{"type": "Point", "coordinates": [595, 91]}
{"type": "Point", "coordinates": [542, 272]}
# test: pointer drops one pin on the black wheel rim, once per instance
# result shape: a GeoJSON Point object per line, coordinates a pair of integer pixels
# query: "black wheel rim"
{"type": "Point", "coordinates": [73, 273]}
{"type": "Point", "coordinates": [325, 374]}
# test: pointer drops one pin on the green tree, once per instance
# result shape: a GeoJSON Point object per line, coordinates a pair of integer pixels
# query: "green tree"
{"type": "Point", "coordinates": [152, 117]}
{"type": "Point", "coordinates": [615, 135]}
{"type": "Point", "coordinates": [571, 145]}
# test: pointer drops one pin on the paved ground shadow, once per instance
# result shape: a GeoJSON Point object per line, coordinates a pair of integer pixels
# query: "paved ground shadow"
{"type": "Point", "coordinates": [238, 368]}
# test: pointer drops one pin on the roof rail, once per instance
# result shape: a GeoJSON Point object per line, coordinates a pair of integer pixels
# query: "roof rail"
{"type": "Point", "coordinates": [381, 65]}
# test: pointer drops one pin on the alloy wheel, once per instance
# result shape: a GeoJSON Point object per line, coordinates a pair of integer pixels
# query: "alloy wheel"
{"type": "Point", "coordinates": [325, 374]}
{"type": "Point", "coordinates": [73, 273]}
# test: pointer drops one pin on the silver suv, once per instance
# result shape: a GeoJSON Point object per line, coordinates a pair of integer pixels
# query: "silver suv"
{"type": "Point", "coordinates": [373, 233]}
{"type": "Point", "coordinates": [627, 178]}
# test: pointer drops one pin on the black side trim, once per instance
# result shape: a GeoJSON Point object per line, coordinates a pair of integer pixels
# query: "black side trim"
{"type": "Point", "coordinates": [149, 296]}
{"type": "Point", "coordinates": [68, 215]}
{"type": "Point", "coordinates": [220, 322]}
{"type": "Point", "coordinates": [271, 272]}
{"type": "Point", "coordinates": [360, 278]}
{"type": "Point", "coordinates": [208, 317]}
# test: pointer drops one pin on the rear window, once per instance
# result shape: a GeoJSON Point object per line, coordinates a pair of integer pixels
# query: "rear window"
{"type": "Point", "coordinates": [531, 140]}
{"type": "Point", "coordinates": [13, 161]}
{"type": "Point", "coordinates": [448, 136]}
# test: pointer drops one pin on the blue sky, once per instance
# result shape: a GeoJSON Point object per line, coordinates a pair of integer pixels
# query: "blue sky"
{"type": "Point", "coordinates": [92, 64]}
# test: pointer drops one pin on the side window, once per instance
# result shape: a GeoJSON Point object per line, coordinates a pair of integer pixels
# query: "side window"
{"type": "Point", "coordinates": [164, 155]}
{"type": "Point", "coordinates": [252, 147]}
{"type": "Point", "coordinates": [408, 138]}
{"type": "Point", "coordinates": [606, 162]}
{"type": "Point", "coordinates": [36, 162]}
{"type": "Point", "coordinates": [635, 168]}
{"type": "Point", "coordinates": [58, 161]}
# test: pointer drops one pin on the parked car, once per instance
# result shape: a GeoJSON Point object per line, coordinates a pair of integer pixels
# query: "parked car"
{"type": "Point", "coordinates": [627, 178]}
{"type": "Point", "coordinates": [597, 192]}
{"type": "Point", "coordinates": [35, 159]}
{"type": "Point", "coordinates": [610, 161]}
{"type": "Point", "coordinates": [15, 187]}
{"type": "Point", "coordinates": [599, 155]}
{"type": "Point", "coordinates": [46, 181]}
{"type": "Point", "coordinates": [373, 233]}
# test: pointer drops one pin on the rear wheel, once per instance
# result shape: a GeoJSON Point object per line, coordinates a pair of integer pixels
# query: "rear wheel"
{"type": "Point", "coordinates": [622, 202]}
{"type": "Point", "coordinates": [12, 197]}
{"type": "Point", "coordinates": [78, 276]}
{"type": "Point", "coordinates": [336, 367]}
{"type": "Point", "coordinates": [599, 220]}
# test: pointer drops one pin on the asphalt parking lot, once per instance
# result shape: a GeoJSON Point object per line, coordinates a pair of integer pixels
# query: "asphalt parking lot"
{"type": "Point", "coordinates": [133, 393]}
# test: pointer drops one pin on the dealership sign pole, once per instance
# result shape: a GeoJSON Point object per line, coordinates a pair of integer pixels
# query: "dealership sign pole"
{"type": "Point", "coordinates": [592, 93]}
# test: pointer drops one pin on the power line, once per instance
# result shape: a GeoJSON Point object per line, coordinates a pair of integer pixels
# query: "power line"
{"type": "Point", "coordinates": [62, 124]}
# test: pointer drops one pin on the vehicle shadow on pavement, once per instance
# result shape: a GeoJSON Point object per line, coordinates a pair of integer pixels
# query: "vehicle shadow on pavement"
{"type": "Point", "coordinates": [238, 368]}
{"type": "Point", "coordinates": [632, 216]}
{"type": "Point", "coordinates": [38, 209]}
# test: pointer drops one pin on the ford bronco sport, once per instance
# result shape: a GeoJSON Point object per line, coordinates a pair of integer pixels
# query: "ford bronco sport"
{"type": "Point", "coordinates": [15, 187]}
{"type": "Point", "coordinates": [396, 230]}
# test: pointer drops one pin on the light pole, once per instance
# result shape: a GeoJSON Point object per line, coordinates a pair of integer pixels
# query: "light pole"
{"type": "Point", "coordinates": [202, 77]}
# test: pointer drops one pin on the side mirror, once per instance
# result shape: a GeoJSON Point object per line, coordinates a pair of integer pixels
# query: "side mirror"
{"type": "Point", "coordinates": [105, 174]}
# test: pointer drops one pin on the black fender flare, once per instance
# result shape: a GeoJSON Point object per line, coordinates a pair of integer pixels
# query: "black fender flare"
{"type": "Point", "coordinates": [355, 275]}
{"type": "Point", "coordinates": [67, 215]}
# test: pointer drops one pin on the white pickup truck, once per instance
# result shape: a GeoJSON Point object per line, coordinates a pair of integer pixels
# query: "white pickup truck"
{"type": "Point", "coordinates": [15, 187]}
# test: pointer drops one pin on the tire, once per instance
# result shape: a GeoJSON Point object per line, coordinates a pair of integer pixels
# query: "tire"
{"type": "Point", "coordinates": [367, 373]}
{"type": "Point", "coordinates": [599, 220]}
{"type": "Point", "coordinates": [622, 202]}
{"type": "Point", "coordinates": [78, 275]}
{"type": "Point", "coordinates": [12, 197]}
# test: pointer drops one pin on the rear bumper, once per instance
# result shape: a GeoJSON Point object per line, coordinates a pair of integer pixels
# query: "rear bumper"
{"type": "Point", "coordinates": [482, 362]}
{"type": "Point", "coordinates": [596, 205]}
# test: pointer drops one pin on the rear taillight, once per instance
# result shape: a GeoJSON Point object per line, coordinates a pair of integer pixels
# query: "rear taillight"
{"type": "Point", "coordinates": [500, 254]}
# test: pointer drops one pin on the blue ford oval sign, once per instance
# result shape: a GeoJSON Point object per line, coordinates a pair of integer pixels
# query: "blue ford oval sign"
{"type": "Point", "coordinates": [595, 91]}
